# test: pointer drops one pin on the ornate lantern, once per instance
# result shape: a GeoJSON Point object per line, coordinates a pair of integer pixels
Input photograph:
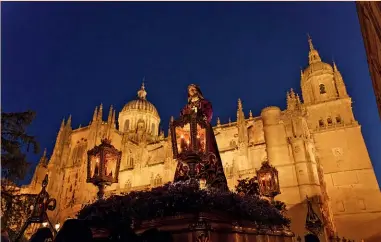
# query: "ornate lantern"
{"type": "Point", "coordinates": [103, 165]}
{"type": "Point", "coordinates": [268, 180]}
{"type": "Point", "coordinates": [190, 136]}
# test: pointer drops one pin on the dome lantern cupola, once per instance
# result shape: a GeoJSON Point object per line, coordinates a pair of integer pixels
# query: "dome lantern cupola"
{"type": "Point", "coordinates": [313, 55]}
{"type": "Point", "coordinates": [142, 92]}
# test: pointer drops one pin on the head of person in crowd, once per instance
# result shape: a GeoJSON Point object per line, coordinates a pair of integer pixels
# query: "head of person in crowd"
{"type": "Point", "coordinates": [42, 235]}
{"type": "Point", "coordinates": [74, 230]}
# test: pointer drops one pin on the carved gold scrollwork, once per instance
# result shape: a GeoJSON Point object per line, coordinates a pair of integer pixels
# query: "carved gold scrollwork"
{"type": "Point", "coordinates": [201, 224]}
{"type": "Point", "coordinates": [201, 228]}
{"type": "Point", "coordinates": [203, 237]}
{"type": "Point", "coordinates": [51, 204]}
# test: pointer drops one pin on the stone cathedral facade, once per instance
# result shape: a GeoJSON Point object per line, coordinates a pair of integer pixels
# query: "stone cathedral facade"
{"type": "Point", "coordinates": [316, 144]}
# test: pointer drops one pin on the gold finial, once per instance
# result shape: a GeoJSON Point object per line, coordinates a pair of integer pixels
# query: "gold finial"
{"type": "Point", "coordinates": [313, 55]}
{"type": "Point", "coordinates": [239, 104]}
{"type": "Point", "coordinates": [292, 93]}
{"type": "Point", "coordinates": [110, 113]}
{"type": "Point", "coordinates": [44, 154]}
{"type": "Point", "coordinates": [100, 113]}
{"type": "Point", "coordinates": [63, 123]}
{"type": "Point", "coordinates": [218, 121]}
{"type": "Point", "coordinates": [113, 119]}
{"type": "Point", "coordinates": [250, 114]}
{"type": "Point", "coordinates": [44, 160]}
{"type": "Point", "coordinates": [142, 92]}
{"type": "Point", "coordinates": [310, 42]}
{"type": "Point", "coordinates": [68, 124]}
{"type": "Point", "coordinates": [95, 115]}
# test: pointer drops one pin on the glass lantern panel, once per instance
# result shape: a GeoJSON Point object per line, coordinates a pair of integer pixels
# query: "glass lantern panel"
{"type": "Point", "coordinates": [110, 164]}
{"type": "Point", "coordinates": [264, 182]}
{"type": "Point", "coordinates": [201, 138]}
{"type": "Point", "coordinates": [276, 180]}
{"type": "Point", "coordinates": [183, 138]}
{"type": "Point", "coordinates": [270, 181]}
{"type": "Point", "coordinates": [94, 166]}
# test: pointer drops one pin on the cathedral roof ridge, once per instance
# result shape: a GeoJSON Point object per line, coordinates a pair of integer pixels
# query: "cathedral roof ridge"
{"type": "Point", "coordinates": [80, 128]}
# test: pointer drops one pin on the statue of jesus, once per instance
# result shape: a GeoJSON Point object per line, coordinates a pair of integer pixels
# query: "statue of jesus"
{"type": "Point", "coordinates": [214, 172]}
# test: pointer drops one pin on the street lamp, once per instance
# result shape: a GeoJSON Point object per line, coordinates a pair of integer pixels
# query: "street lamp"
{"type": "Point", "coordinates": [268, 180]}
{"type": "Point", "coordinates": [190, 136]}
{"type": "Point", "coordinates": [103, 163]}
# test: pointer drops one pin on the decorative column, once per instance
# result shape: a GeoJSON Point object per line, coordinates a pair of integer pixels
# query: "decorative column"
{"type": "Point", "coordinates": [275, 136]}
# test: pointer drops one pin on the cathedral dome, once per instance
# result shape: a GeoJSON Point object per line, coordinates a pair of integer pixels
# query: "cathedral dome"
{"type": "Point", "coordinates": [139, 113]}
{"type": "Point", "coordinates": [141, 104]}
{"type": "Point", "coordinates": [317, 67]}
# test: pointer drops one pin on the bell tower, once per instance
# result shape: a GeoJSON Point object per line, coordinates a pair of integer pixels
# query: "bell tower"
{"type": "Point", "coordinates": [350, 180]}
{"type": "Point", "coordinates": [324, 93]}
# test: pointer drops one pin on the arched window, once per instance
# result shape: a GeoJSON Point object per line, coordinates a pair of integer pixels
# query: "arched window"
{"type": "Point", "coordinates": [338, 119]}
{"type": "Point", "coordinates": [127, 184]}
{"type": "Point", "coordinates": [153, 129]}
{"type": "Point", "coordinates": [126, 125]}
{"type": "Point", "coordinates": [229, 170]}
{"type": "Point", "coordinates": [130, 161]}
{"type": "Point", "coordinates": [157, 181]}
{"type": "Point", "coordinates": [321, 123]}
{"type": "Point", "coordinates": [329, 121]}
{"type": "Point", "coordinates": [81, 152]}
{"type": "Point", "coordinates": [74, 155]}
{"type": "Point", "coordinates": [141, 125]}
{"type": "Point", "coordinates": [78, 152]}
{"type": "Point", "coordinates": [322, 89]}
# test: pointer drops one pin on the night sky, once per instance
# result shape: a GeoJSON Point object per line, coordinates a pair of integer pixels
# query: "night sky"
{"type": "Point", "coordinates": [66, 58]}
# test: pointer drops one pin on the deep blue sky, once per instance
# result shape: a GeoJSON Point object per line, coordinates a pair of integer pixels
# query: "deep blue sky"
{"type": "Point", "coordinates": [65, 58]}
